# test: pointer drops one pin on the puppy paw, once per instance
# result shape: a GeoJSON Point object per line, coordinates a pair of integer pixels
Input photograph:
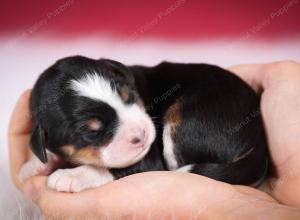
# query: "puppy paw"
{"type": "Point", "coordinates": [35, 167]}
{"type": "Point", "coordinates": [78, 179]}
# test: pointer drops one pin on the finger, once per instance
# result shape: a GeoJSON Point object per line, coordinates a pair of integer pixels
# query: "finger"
{"type": "Point", "coordinates": [60, 205]}
{"type": "Point", "coordinates": [252, 74]}
{"type": "Point", "coordinates": [261, 76]}
{"type": "Point", "coordinates": [18, 135]}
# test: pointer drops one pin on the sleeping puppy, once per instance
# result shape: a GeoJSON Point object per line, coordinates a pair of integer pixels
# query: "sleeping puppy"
{"type": "Point", "coordinates": [105, 120]}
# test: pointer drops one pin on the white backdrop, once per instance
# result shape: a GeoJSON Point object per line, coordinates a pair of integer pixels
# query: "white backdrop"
{"type": "Point", "coordinates": [22, 61]}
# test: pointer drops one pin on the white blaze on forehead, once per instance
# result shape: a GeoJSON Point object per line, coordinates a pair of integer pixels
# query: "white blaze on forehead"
{"type": "Point", "coordinates": [96, 87]}
{"type": "Point", "coordinates": [120, 152]}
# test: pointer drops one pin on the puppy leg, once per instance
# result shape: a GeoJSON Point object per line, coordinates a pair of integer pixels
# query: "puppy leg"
{"type": "Point", "coordinates": [169, 148]}
{"type": "Point", "coordinates": [79, 178]}
{"type": "Point", "coordinates": [34, 167]}
{"type": "Point", "coordinates": [186, 168]}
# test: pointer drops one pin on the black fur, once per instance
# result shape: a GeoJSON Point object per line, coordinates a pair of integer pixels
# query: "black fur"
{"type": "Point", "coordinates": [220, 116]}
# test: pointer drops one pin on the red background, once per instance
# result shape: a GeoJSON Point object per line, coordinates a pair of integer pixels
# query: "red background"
{"type": "Point", "coordinates": [191, 20]}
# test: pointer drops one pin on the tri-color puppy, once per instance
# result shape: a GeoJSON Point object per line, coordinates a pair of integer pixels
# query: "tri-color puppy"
{"type": "Point", "coordinates": [107, 120]}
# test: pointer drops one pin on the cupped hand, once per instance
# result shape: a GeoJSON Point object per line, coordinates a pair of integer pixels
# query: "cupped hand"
{"type": "Point", "coordinates": [175, 195]}
{"type": "Point", "coordinates": [279, 85]}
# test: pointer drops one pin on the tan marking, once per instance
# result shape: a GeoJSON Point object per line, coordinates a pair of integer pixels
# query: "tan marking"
{"type": "Point", "coordinates": [141, 103]}
{"type": "Point", "coordinates": [87, 155]}
{"type": "Point", "coordinates": [124, 94]}
{"type": "Point", "coordinates": [94, 124]}
{"type": "Point", "coordinates": [173, 115]}
{"type": "Point", "coordinates": [244, 155]}
{"type": "Point", "coordinates": [68, 150]}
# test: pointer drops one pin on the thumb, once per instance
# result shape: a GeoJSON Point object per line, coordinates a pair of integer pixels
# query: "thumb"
{"type": "Point", "coordinates": [34, 187]}
{"type": "Point", "coordinates": [59, 205]}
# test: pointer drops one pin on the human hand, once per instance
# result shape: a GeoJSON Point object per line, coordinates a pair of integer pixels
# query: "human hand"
{"type": "Point", "coordinates": [279, 84]}
{"type": "Point", "coordinates": [165, 195]}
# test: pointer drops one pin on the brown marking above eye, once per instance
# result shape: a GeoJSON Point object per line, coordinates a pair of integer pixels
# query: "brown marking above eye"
{"type": "Point", "coordinates": [94, 124]}
{"type": "Point", "coordinates": [124, 94]}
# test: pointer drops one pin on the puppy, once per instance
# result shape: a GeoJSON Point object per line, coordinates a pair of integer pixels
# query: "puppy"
{"type": "Point", "coordinates": [106, 120]}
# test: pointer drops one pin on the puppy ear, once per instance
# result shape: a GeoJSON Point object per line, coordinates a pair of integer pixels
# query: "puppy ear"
{"type": "Point", "coordinates": [38, 143]}
{"type": "Point", "coordinates": [121, 68]}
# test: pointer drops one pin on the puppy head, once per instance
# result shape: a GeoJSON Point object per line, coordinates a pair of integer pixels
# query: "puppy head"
{"type": "Point", "coordinates": [99, 118]}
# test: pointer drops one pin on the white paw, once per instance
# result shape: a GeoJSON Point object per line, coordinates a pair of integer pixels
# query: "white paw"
{"type": "Point", "coordinates": [35, 167]}
{"type": "Point", "coordinates": [78, 179]}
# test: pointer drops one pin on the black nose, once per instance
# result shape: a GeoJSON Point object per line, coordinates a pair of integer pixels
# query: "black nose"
{"type": "Point", "coordinates": [135, 140]}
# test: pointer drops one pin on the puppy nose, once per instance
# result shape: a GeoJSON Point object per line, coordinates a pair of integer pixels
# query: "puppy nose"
{"type": "Point", "coordinates": [138, 137]}
{"type": "Point", "coordinates": [135, 140]}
